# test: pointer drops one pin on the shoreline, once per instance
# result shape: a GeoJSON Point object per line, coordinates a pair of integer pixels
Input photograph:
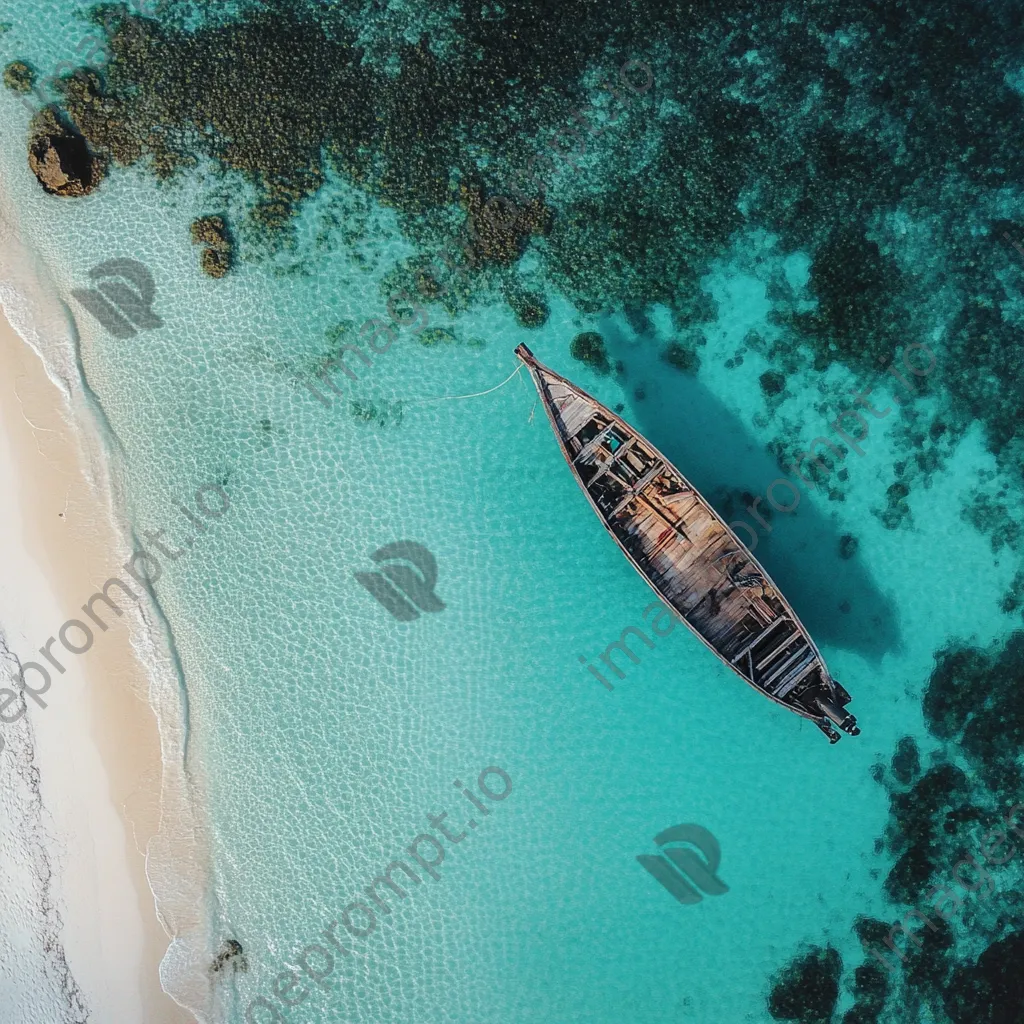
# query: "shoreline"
{"type": "Point", "coordinates": [97, 746]}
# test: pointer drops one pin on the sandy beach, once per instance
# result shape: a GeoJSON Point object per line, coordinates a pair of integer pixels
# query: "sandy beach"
{"type": "Point", "coordinates": [97, 746]}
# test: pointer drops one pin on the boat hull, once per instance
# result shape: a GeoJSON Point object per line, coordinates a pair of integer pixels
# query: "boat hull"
{"type": "Point", "coordinates": [688, 554]}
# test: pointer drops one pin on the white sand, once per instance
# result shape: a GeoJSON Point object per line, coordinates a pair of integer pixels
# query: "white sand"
{"type": "Point", "coordinates": [97, 748]}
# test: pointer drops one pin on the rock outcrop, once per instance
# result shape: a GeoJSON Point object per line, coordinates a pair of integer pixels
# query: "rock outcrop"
{"type": "Point", "coordinates": [59, 156]}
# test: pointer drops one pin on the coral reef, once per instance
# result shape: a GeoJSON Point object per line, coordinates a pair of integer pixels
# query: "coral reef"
{"type": "Point", "coordinates": [499, 229]}
{"type": "Point", "coordinates": [896, 512]}
{"type": "Point", "coordinates": [973, 697]}
{"type": "Point", "coordinates": [383, 413]}
{"type": "Point", "coordinates": [1013, 599]}
{"type": "Point", "coordinates": [436, 336]}
{"type": "Point", "coordinates": [19, 76]}
{"type": "Point", "coordinates": [212, 233]}
{"type": "Point", "coordinates": [990, 991]}
{"type": "Point", "coordinates": [214, 262]}
{"type": "Point", "coordinates": [530, 309]}
{"type": "Point", "coordinates": [918, 817]}
{"type": "Point", "coordinates": [907, 123]}
{"type": "Point", "coordinates": [870, 987]}
{"type": "Point", "coordinates": [808, 988]}
{"type": "Point", "coordinates": [944, 833]}
{"type": "Point", "coordinates": [772, 383]}
{"type": "Point", "coordinates": [588, 347]}
{"type": "Point", "coordinates": [906, 761]}
{"type": "Point", "coordinates": [681, 357]}
{"type": "Point", "coordinates": [857, 321]}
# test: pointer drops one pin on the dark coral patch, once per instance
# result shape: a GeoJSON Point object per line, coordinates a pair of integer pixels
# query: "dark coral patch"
{"type": "Point", "coordinates": [589, 348]}
{"type": "Point", "coordinates": [772, 382]}
{"type": "Point", "coordinates": [992, 990]}
{"type": "Point", "coordinates": [870, 986]}
{"type": "Point", "coordinates": [918, 814]}
{"type": "Point", "coordinates": [499, 229]}
{"type": "Point", "coordinates": [19, 76]}
{"type": "Point", "coordinates": [857, 287]}
{"type": "Point", "coordinates": [212, 232]}
{"type": "Point", "coordinates": [973, 696]}
{"type": "Point", "coordinates": [896, 512]}
{"type": "Point", "coordinates": [808, 988]}
{"type": "Point", "coordinates": [906, 762]}
{"type": "Point", "coordinates": [530, 309]}
{"type": "Point", "coordinates": [681, 357]}
{"type": "Point", "coordinates": [214, 262]}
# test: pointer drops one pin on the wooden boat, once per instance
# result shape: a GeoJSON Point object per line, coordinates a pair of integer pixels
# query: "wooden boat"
{"type": "Point", "coordinates": [689, 556]}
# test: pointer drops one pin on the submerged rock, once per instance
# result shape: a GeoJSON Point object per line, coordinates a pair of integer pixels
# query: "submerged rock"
{"type": "Point", "coordinates": [848, 545]}
{"type": "Point", "coordinates": [231, 955]}
{"type": "Point", "coordinates": [59, 156]}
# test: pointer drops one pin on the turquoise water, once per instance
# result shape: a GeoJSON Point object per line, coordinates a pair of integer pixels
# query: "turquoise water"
{"type": "Point", "coordinates": [321, 731]}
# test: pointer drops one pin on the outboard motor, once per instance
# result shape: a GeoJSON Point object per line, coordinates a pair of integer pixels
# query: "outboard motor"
{"type": "Point", "coordinates": [822, 724]}
{"type": "Point", "coordinates": [841, 717]}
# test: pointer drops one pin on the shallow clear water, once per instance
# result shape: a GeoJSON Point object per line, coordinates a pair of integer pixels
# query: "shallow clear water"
{"type": "Point", "coordinates": [322, 731]}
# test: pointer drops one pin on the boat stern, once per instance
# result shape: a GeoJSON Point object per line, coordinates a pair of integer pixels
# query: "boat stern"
{"type": "Point", "coordinates": [832, 701]}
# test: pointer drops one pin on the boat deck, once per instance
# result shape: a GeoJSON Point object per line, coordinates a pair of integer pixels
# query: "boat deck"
{"type": "Point", "coordinates": [688, 555]}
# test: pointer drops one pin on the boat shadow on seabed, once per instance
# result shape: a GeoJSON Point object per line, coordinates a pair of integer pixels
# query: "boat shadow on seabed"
{"type": "Point", "coordinates": [835, 597]}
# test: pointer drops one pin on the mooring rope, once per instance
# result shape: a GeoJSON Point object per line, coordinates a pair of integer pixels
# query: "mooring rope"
{"type": "Point", "coordinates": [477, 394]}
